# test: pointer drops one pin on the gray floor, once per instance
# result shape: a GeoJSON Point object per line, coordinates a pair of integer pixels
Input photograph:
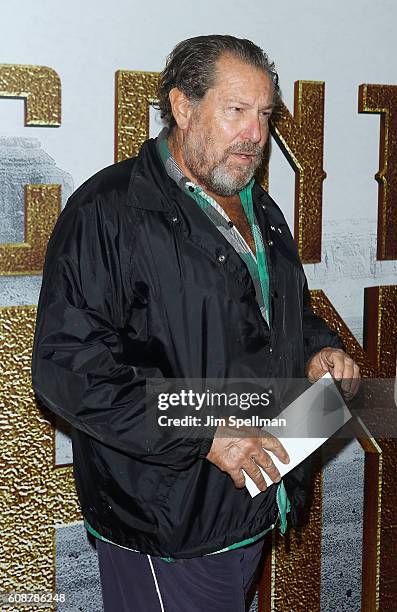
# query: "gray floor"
{"type": "Point", "coordinates": [77, 572]}
{"type": "Point", "coordinates": [343, 479]}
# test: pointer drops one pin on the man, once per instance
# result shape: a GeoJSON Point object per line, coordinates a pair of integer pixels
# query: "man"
{"type": "Point", "coordinates": [177, 264]}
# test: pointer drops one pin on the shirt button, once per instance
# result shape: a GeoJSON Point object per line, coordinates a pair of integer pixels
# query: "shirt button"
{"type": "Point", "coordinates": [221, 258]}
{"type": "Point", "coordinates": [230, 223]}
{"type": "Point", "coordinates": [270, 349]}
{"type": "Point", "coordinates": [264, 206]}
{"type": "Point", "coordinates": [191, 188]}
{"type": "Point", "coordinates": [270, 243]}
{"type": "Point", "coordinates": [174, 219]}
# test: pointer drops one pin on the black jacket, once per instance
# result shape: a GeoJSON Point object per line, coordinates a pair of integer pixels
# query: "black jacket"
{"type": "Point", "coordinates": [135, 286]}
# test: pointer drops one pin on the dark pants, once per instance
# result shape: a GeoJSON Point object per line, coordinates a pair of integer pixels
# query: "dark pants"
{"type": "Point", "coordinates": [135, 582]}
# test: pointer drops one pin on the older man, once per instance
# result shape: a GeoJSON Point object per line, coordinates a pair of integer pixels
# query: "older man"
{"type": "Point", "coordinates": [177, 264]}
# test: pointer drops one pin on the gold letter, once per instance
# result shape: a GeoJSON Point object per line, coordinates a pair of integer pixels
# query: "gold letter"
{"type": "Point", "coordinates": [42, 207]}
{"type": "Point", "coordinates": [40, 87]}
{"type": "Point", "coordinates": [135, 91]}
{"type": "Point", "coordinates": [301, 139]}
{"type": "Point", "coordinates": [383, 99]}
{"type": "Point", "coordinates": [36, 493]}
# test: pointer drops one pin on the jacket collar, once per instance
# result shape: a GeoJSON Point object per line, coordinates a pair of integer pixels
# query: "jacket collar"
{"type": "Point", "coordinates": [150, 187]}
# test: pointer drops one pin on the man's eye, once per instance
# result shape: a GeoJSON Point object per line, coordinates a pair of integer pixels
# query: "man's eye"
{"type": "Point", "coordinates": [236, 109]}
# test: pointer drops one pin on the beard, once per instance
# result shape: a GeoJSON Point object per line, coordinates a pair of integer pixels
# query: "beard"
{"type": "Point", "coordinates": [215, 174]}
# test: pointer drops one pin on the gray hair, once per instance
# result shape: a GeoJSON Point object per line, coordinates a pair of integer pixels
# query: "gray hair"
{"type": "Point", "coordinates": [191, 67]}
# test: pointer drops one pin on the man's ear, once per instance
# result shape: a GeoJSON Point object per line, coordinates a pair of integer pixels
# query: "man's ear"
{"type": "Point", "coordinates": [181, 108]}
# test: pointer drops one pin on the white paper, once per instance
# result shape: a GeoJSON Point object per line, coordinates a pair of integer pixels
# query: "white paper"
{"type": "Point", "coordinates": [305, 415]}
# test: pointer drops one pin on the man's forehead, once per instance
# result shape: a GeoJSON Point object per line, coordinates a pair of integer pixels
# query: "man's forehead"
{"type": "Point", "coordinates": [234, 77]}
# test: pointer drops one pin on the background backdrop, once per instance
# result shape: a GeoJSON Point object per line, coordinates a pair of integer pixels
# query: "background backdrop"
{"type": "Point", "coordinates": [88, 106]}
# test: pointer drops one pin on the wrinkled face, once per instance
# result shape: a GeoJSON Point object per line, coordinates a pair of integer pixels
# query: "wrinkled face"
{"type": "Point", "coordinates": [224, 142]}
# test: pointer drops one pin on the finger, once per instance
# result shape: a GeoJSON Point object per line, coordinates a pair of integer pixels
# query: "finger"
{"type": "Point", "coordinates": [354, 383]}
{"type": "Point", "coordinates": [238, 477]}
{"type": "Point", "coordinates": [272, 444]}
{"type": "Point", "coordinates": [253, 471]}
{"type": "Point", "coordinates": [336, 362]}
{"type": "Point", "coordinates": [348, 373]}
{"type": "Point", "coordinates": [265, 461]}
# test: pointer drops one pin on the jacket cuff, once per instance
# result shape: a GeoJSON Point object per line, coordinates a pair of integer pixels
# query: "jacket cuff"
{"type": "Point", "coordinates": [205, 445]}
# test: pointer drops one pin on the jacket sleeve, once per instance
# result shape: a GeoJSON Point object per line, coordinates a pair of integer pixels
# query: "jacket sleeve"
{"type": "Point", "coordinates": [316, 333]}
{"type": "Point", "coordinates": [79, 369]}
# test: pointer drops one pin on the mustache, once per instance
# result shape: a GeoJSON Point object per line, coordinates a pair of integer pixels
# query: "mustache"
{"type": "Point", "coordinates": [246, 148]}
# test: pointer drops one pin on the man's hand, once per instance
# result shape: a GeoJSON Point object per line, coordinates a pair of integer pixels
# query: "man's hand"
{"type": "Point", "coordinates": [232, 453]}
{"type": "Point", "coordinates": [339, 365]}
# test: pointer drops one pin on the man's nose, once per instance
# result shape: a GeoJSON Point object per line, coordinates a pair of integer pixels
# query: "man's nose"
{"type": "Point", "coordinates": [253, 130]}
